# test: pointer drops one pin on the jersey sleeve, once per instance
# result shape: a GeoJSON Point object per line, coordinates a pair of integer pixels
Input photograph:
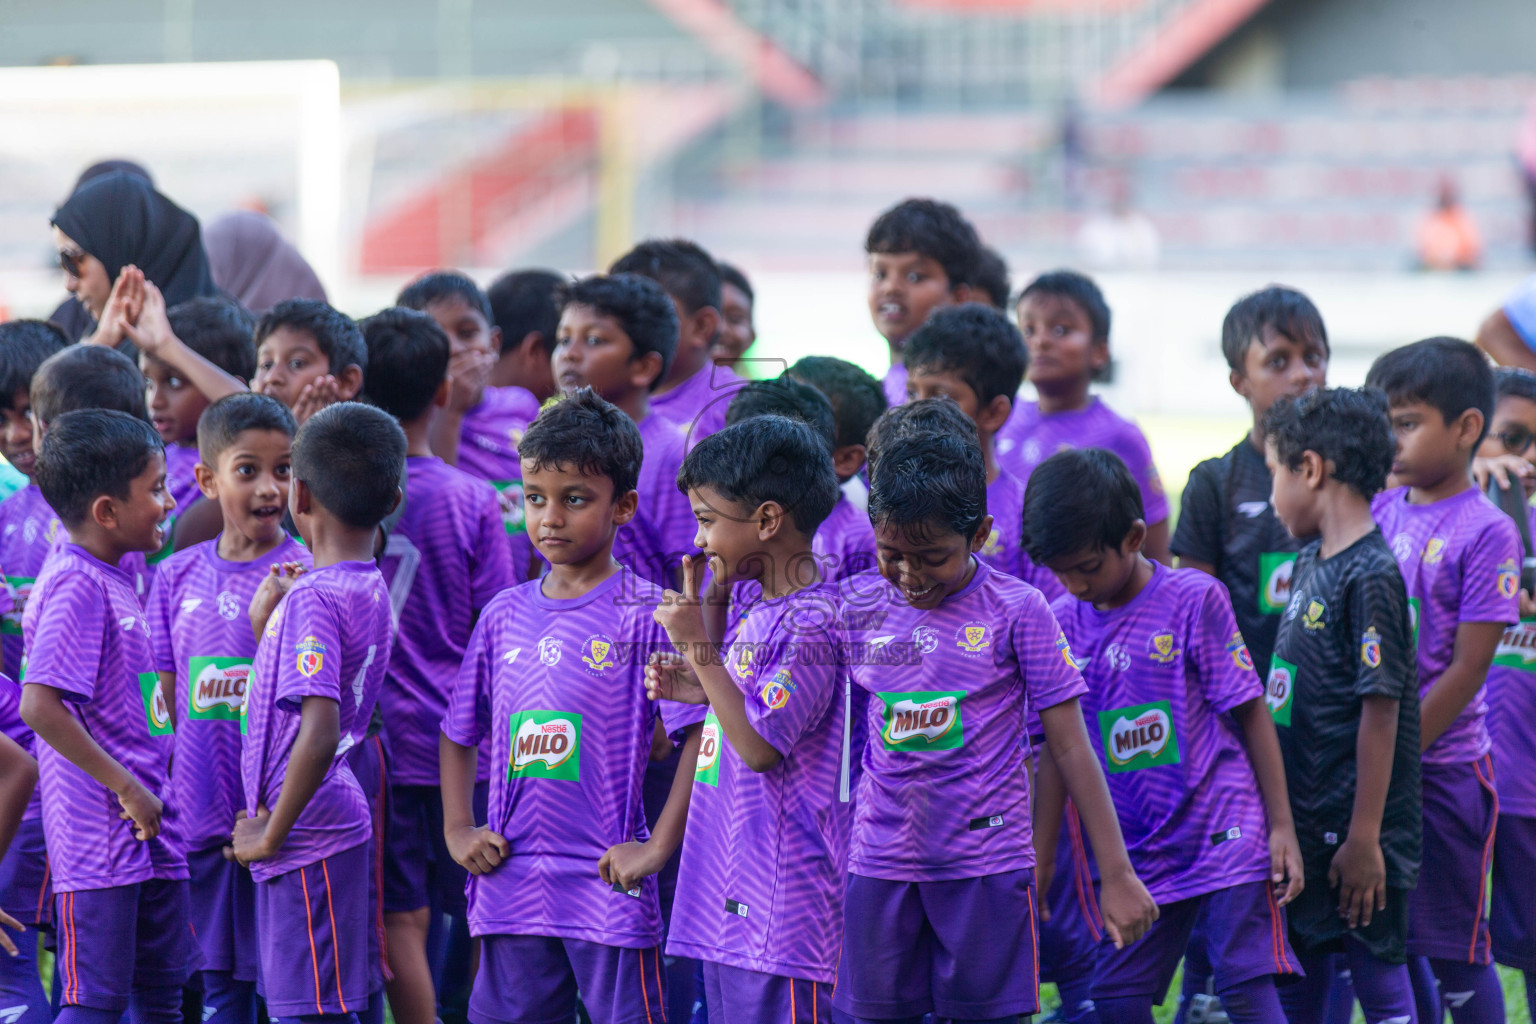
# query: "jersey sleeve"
{"type": "Point", "coordinates": [1381, 639]}
{"type": "Point", "coordinates": [309, 650]}
{"type": "Point", "coordinates": [1044, 656]}
{"type": "Point", "coordinates": [468, 718]}
{"type": "Point", "coordinates": [1138, 454]}
{"type": "Point", "coordinates": [491, 565]}
{"type": "Point", "coordinates": [1490, 575]}
{"type": "Point", "coordinates": [65, 648]}
{"type": "Point", "coordinates": [1227, 675]}
{"type": "Point", "coordinates": [158, 612]}
{"type": "Point", "coordinates": [792, 686]}
{"type": "Point", "coordinates": [1198, 535]}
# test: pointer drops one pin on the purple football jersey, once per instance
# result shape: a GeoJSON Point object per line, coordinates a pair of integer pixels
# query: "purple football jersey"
{"type": "Point", "coordinates": [559, 688]}
{"type": "Point", "coordinates": [1030, 437]}
{"type": "Point", "coordinates": [135, 565]}
{"type": "Point", "coordinates": [762, 875]}
{"type": "Point", "coordinates": [29, 530]}
{"type": "Point", "coordinates": [845, 541]}
{"type": "Point", "coordinates": [1511, 714]}
{"type": "Point", "coordinates": [895, 384]}
{"type": "Point", "coordinates": [488, 444]}
{"type": "Point", "coordinates": [1460, 559]}
{"type": "Point", "coordinates": [445, 561]}
{"type": "Point", "coordinates": [329, 637]}
{"type": "Point", "coordinates": [200, 628]}
{"type": "Point", "coordinates": [87, 638]}
{"type": "Point", "coordinates": [1162, 671]}
{"type": "Point", "coordinates": [654, 542]}
{"type": "Point", "coordinates": [698, 403]}
{"type": "Point", "coordinates": [180, 480]}
{"type": "Point", "coordinates": [945, 786]}
{"type": "Point", "coordinates": [1004, 550]}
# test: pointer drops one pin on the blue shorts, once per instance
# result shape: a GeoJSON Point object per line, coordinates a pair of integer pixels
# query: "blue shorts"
{"type": "Point", "coordinates": [313, 928]}
{"type": "Point", "coordinates": [1069, 941]}
{"type": "Point", "coordinates": [25, 892]}
{"type": "Point", "coordinates": [1448, 912]}
{"type": "Point", "coordinates": [740, 996]}
{"type": "Point", "coordinates": [1514, 898]}
{"type": "Point", "coordinates": [418, 871]}
{"type": "Point", "coordinates": [223, 910]}
{"type": "Point", "coordinates": [115, 941]}
{"type": "Point", "coordinates": [533, 979]}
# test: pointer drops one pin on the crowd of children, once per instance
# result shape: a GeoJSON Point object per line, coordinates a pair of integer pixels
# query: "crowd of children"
{"type": "Point", "coordinates": [505, 654]}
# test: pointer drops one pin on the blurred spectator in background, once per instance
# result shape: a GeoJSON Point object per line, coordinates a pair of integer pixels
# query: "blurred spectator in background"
{"type": "Point", "coordinates": [72, 317]}
{"type": "Point", "coordinates": [255, 264]}
{"type": "Point", "coordinates": [1509, 333]}
{"type": "Point", "coordinates": [1527, 156]}
{"type": "Point", "coordinates": [737, 329]}
{"type": "Point", "coordinates": [1448, 239]}
{"type": "Point", "coordinates": [1122, 238]}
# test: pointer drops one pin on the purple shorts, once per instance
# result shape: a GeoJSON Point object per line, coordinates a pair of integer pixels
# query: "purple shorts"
{"type": "Point", "coordinates": [740, 996]}
{"type": "Point", "coordinates": [114, 941]}
{"type": "Point", "coordinates": [24, 890]}
{"type": "Point", "coordinates": [418, 871]}
{"type": "Point", "coordinates": [1244, 936]}
{"type": "Point", "coordinates": [963, 948]}
{"type": "Point", "coordinates": [533, 979]}
{"type": "Point", "coordinates": [1448, 912]}
{"type": "Point", "coordinates": [1514, 898]}
{"type": "Point", "coordinates": [223, 913]}
{"type": "Point", "coordinates": [314, 932]}
{"type": "Point", "coordinates": [1069, 941]}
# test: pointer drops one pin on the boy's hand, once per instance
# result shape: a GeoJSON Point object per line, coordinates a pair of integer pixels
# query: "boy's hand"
{"type": "Point", "coordinates": [626, 864]}
{"type": "Point", "coordinates": [141, 807]}
{"type": "Point", "coordinates": [1504, 469]}
{"type": "Point", "coordinates": [152, 333]}
{"type": "Point", "coordinates": [1285, 864]}
{"type": "Point", "coordinates": [279, 580]}
{"type": "Point", "coordinates": [14, 925]}
{"type": "Point", "coordinates": [317, 394]}
{"type": "Point", "coordinates": [1045, 873]}
{"type": "Point", "coordinates": [1127, 907]}
{"type": "Point", "coordinates": [477, 850]}
{"type": "Point", "coordinates": [122, 309]}
{"type": "Point", "coordinates": [1527, 605]}
{"type": "Point", "coordinates": [250, 836]}
{"type": "Point", "coordinates": [668, 676]}
{"type": "Point", "coordinates": [682, 615]}
{"type": "Point", "coordinates": [468, 372]}
{"type": "Point", "coordinates": [1360, 872]}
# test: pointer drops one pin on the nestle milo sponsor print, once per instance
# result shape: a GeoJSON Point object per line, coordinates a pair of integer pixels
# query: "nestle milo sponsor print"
{"type": "Point", "coordinates": [545, 745]}
{"type": "Point", "coordinates": [509, 495]}
{"type": "Point", "coordinates": [926, 720]}
{"type": "Point", "coordinates": [216, 688]}
{"type": "Point", "coordinates": [20, 588]}
{"type": "Point", "coordinates": [156, 713]}
{"type": "Point", "coordinates": [1517, 647]}
{"type": "Point", "coordinates": [707, 768]}
{"type": "Point", "coordinates": [1139, 737]}
{"type": "Point", "coordinates": [1275, 569]}
{"type": "Point", "coordinates": [1279, 688]}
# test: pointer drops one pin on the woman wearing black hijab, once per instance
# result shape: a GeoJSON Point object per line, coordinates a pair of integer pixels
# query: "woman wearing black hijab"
{"type": "Point", "coordinates": [117, 220]}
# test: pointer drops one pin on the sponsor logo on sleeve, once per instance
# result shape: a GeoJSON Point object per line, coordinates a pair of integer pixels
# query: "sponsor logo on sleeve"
{"type": "Point", "coordinates": [216, 688]}
{"type": "Point", "coordinates": [1279, 688]}
{"type": "Point", "coordinates": [1370, 648]}
{"type": "Point", "coordinates": [545, 745]}
{"type": "Point", "coordinates": [707, 768]}
{"type": "Point", "coordinates": [972, 637]}
{"type": "Point", "coordinates": [311, 655]}
{"type": "Point", "coordinates": [1139, 737]}
{"type": "Point", "coordinates": [156, 713]}
{"type": "Point", "coordinates": [1275, 568]}
{"type": "Point", "coordinates": [1509, 579]}
{"type": "Point", "coordinates": [1238, 651]}
{"type": "Point", "coordinates": [777, 691]}
{"type": "Point", "coordinates": [1066, 650]}
{"type": "Point", "coordinates": [927, 720]}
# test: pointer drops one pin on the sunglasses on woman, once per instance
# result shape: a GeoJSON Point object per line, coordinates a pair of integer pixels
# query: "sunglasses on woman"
{"type": "Point", "coordinates": [69, 259]}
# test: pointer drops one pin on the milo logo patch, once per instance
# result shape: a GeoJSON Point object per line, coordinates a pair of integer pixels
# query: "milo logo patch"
{"type": "Point", "coordinates": [1517, 647]}
{"type": "Point", "coordinates": [1279, 688]}
{"type": "Point", "coordinates": [923, 721]}
{"type": "Point", "coordinates": [545, 745]}
{"type": "Point", "coordinates": [1139, 737]}
{"type": "Point", "coordinates": [1275, 568]}
{"type": "Point", "coordinates": [509, 495]}
{"type": "Point", "coordinates": [1414, 606]}
{"type": "Point", "coordinates": [20, 588]}
{"type": "Point", "coordinates": [707, 768]}
{"type": "Point", "coordinates": [216, 688]}
{"type": "Point", "coordinates": [156, 713]}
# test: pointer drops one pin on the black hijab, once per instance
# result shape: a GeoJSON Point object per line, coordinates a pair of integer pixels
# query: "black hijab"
{"type": "Point", "coordinates": [120, 219]}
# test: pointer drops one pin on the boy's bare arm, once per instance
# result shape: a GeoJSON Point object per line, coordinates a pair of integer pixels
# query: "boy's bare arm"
{"type": "Point", "coordinates": [1359, 869]}
{"type": "Point", "coordinates": [477, 848]}
{"type": "Point", "coordinates": [1263, 744]}
{"type": "Point", "coordinates": [626, 864]}
{"type": "Point", "coordinates": [153, 335]}
{"type": "Point", "coordinates": [18, 778]}
{"type": "Point", "coordinates": [1454, 690]}
{"type": "Point", "coordinates": [262, 835]}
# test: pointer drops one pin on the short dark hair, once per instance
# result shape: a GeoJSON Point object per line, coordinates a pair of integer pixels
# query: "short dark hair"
{"type": "Point", "coordinates": [640, 306]}
{"type": "Point", "coordinates": [931, 229]}
{"type": "Point", "coordinates": [856, 396]}
{"type": "Point", "coordinates": [930, 480]}
{"type": "Point", "coordinates": [24, 346]}
{"type": "Point", "coordinates": [977, 343]}
{"type": "Point", "coordinates": [1447, 373]}
{"type": "Point", "coordinates": [407, 361]}
{"type": "Point", "coordinates": [583, 432]}
{"type": "Point", "coordinates": [526, 302]}
{"type": "Point", "coordinates": [87, 377]}
{"type": "Point", "coordinates": [1272, 310]}
{"type": "Point", "coordinates": [221, 331]}
{"type": "Point", "coordinates": [736, 279]}
{"type": "Point", "coordinates": [1082, 499]}
{"type": "Point", "coordinates": [1349, 427]}
{"type": "Point", "coordinates": [925, 416]}
{"type": "Point", "coordinates": [1079, 289]}
{"type": "Point", "coordinates": [350, 456]}
{"type": "Point", "coordinates": [769, 458]}
{"type": "Point", "coordinates": [682, 268]}
{"type": "Point", "coordinates": [992, 277]}
{"type": "Point", "coordinates": [229, 417]}
{"type": "Point", "coordinates": [440, 285]}
{"type": "Point", "coordinates": [1508, 382]}
{"type": "Point", "coordinates": [334, 332]}
{"type": "Point", "coordinates": [785, 396]}
{"type": "Point", "coordinates": [90, 452]}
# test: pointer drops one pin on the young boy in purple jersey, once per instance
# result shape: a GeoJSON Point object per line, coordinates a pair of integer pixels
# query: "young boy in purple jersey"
{"type": "Point", "coordinates": [1511, 705]}
{"type": "Point", "coordinates": [1065, 323]}
{"type": "Point", "coordinates": [560, 891]}
{"type": "Point", "coordinates": [525, 306]}
{"type": "Point", "coordinates": [478, 429]}
{"type": "Point", "coordinates": [616, 336]}
{"type": "Point", "coordinates": [737, 331]}
{"type": "Point", "coordinates": [308, 356]}
{"type": "Point", "coordinates": [759, 897]}
{"type": "Point", "coordinates": [203, 646]}
{"type": "Point", "coordinates": [846, 540]}
{"type": "Point", "coordinates": [1342, 686]}
{"type": "Point", "coordinates": [93, 699]}
{"type": "Point", "coordinates": [444, 561]}
{"type": "Point", "coordinates": [1167, 670]}
{"type": "Point", "coordinates": [941, 905]}
{"type": "Point", "coordinates": [922, 255]}
{"type": "Point", "coordinates": [1460, 557]}
{"type": "Point", "coordinates": [694, 392]}
{"type": "Point", "coordinates": [305, 825]}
